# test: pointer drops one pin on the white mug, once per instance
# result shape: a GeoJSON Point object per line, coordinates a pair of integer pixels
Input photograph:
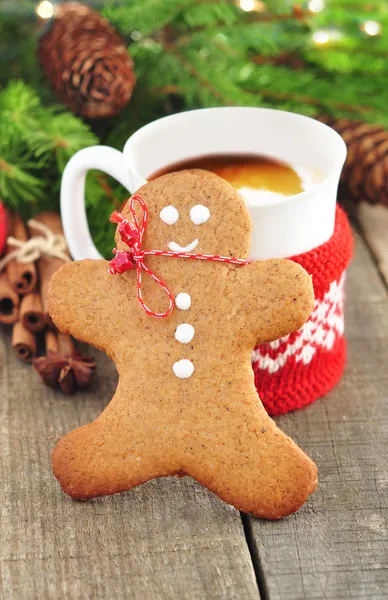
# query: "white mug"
{"type": "Point", "coordinates": [281, 228]}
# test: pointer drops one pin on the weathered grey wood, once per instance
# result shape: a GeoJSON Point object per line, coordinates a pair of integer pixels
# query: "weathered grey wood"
{"type": "Point", "coordinates": [337, 545]}
{"type": "Point", "coordinates": [374, 223]}
{"type": "Point", "coordinates": [169, 539]}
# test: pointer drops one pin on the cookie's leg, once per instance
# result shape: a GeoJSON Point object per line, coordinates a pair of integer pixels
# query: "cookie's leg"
{"type": "Point", "coordinates": [105, 457]}
{"type": "Point", "coordinates": [258, 469]}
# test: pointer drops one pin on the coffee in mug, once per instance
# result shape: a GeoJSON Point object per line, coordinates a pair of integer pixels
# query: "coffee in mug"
{"type": "Point", "coordinates": [258, 178]}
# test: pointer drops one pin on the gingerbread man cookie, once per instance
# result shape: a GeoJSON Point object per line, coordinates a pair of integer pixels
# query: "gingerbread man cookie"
{"type": "Point", "coordinates": [186, 402]}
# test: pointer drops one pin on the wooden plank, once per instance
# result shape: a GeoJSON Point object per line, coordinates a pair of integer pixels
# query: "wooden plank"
{"type": "Point", "coordinates": [337, 546]}
{"type": "Point", "coordinates": [168, 539]}
{"type": "Point", "coordinates": [374, 224]}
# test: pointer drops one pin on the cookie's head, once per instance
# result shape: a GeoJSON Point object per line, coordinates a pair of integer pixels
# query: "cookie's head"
{"type": "Point", "coordinates": [195, 211]}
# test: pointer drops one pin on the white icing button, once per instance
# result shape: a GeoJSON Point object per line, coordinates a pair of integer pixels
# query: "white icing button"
{"type": "Point", "coordinates": [183, 301]}
{"type": "Point", "coordinates": [183, 369]}
{"type": "Point", "coordinates": [169, 215]}
{"type": "Point", "coordinates": [199, 214]}
{"type": "Point", "coordinates": [184, 333]}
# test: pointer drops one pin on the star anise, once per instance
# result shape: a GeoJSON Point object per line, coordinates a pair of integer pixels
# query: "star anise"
{"type": "Point", "coordinates": [69, 372]}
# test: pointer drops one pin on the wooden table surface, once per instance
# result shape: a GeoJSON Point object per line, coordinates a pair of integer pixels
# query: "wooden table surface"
{"type": "Point", "coordinates": [172, 539]}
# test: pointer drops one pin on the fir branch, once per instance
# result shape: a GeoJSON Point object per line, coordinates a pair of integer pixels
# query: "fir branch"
{"type": "Point", "coordinates": [329, 94]}
{"type": "Point", "coordinates": [20, 108]}
{"type": "Point", "coordinates": [200, 79]}
{"type": "Point", "coordinates": [35, 144]}
{"type": "Point", "coordinates": [334, 60]}
{"type": "Point", "coordinates": [63, 135]}
{"type": "Point", "coordinates": [18, 184]}
{"type": "Point", "coordinates": [103, 196]}
{"type": "Point", "coordinates": [363, 6]}
{"type": "Point", "coordinates": [268, 39]}
{"type": "Point", "coordinates": [146, 17]}
{"type": "Point", "coordinates": [102, 230]}
{"type": "Point", "coordinates": [197, 17]}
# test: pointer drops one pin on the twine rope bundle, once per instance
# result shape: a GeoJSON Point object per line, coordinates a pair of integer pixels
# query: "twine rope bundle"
{"type": "Point", "coordinates": [46, 244]}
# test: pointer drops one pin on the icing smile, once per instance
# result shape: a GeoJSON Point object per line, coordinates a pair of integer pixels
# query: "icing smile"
{"type": "Point", "coordinates": [177, 248]}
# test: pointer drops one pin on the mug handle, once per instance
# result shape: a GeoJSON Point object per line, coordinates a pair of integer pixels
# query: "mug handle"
{"type": "Point", "coordinates": [73, 211]}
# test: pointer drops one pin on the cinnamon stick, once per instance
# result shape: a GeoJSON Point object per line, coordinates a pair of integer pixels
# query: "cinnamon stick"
{"type": "Point", "coordinates": [31, 312]}
{"type": "Point", "coordinates": [23, 342]}
{"type": "Point", "coordinates": [22, 276]}
{"type": "Point", "coordinates": [47, 265]}
{"type": "Point", "coordinates": [59, 342]}
{"type": "Point", "coordinates": [9, 301]}
{"type": "Point", "coordinates": [65, 345]}
{"type": "Point", "coordinates": [48, 367]}
{"type": "Point", "coordinates": [51, 341]}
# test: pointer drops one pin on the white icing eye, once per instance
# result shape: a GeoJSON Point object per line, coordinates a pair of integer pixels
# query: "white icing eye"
{"type": "Point", "coordinates": [169, 215]}
{"type": "Point", "coordinates": [199, 214]}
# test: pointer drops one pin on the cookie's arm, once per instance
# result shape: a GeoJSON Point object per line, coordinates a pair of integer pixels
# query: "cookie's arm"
{"type": "Point", "coordinates": [277, 298]}
{"type": "Point", "coordinates": [81, 301]}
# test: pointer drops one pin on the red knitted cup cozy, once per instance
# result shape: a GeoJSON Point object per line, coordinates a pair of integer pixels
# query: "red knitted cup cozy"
{"type": "Point", "coordinates": [303, 366]}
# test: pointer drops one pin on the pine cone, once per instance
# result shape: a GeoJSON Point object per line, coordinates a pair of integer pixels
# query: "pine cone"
{"type": "Point", "coordinates": [365, 174]}
{"type": "Point", "coordinates": [86, 62]}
